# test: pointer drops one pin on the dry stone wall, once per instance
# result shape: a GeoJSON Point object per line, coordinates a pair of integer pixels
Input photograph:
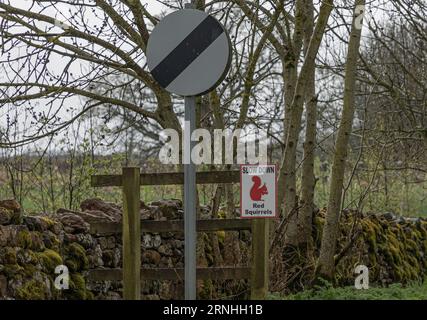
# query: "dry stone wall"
{"type": "Point", "coordinates": [32, 246]}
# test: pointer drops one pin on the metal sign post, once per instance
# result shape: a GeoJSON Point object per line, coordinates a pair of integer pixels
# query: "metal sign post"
{"type": "Point", "coordinates": [189, 201]}
{"type": "Point", "coordinates": [189, 54]}
{"type": "Point", "coordinates": [190, 208]}
{"type": "Point", "coordinates": [190, 233]}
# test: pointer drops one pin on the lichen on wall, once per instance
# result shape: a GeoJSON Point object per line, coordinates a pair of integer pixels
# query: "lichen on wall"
{"type": "Point", "coordinates": [393, 248]}
{"type": "Point", "coordinates": [32, 246]}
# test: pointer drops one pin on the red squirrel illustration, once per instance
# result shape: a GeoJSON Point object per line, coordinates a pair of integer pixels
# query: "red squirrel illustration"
{"type": "Point", "coordinates": [257, 191]}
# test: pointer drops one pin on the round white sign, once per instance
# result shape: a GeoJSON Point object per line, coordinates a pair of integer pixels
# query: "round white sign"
{"type": "Point", "coordinates": [189, 52]}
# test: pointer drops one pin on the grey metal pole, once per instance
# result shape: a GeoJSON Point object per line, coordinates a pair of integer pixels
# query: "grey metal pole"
{"type": "Point", "coordinates": [189, 201]}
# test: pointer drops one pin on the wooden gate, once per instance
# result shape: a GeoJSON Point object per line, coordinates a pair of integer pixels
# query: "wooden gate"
{"type": "Point", "coordinates": [132, 274]}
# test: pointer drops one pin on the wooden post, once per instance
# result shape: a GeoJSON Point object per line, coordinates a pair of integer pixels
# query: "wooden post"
{"type": "Point", "coordinates": [131, 234]}
{"type": "Point", "coordinates": [260, 257]}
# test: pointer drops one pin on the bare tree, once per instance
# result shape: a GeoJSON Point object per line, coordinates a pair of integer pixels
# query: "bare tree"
{"type": "Point", "coordinates": [326, 262]}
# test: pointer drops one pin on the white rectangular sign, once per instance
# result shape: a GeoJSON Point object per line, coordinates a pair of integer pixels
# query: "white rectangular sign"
{"type": "Point", "coordinates": [258, 191]}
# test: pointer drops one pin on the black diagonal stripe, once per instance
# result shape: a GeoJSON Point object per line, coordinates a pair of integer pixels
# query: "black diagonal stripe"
{"type": "Point", "coordinates": [187, 51]}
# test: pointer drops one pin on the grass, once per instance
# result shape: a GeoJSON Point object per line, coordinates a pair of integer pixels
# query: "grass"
{"type": "Point", "coordinates": [414, 291]}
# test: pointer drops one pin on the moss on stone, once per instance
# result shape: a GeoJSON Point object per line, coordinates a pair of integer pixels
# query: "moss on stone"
{"type": "Point", "coordinates": [24, 239]}
{"type": "Point", "coordinates": [9, 256]}
{"type": "Point", "coordinates": [32, 290]}
{"type": "Point", "coordinates": [37, 243]}
{"type": "Point", "coordinates": [49, 222]}
{"type": "Point", "coordinates": [77, 288]}
{"type": "Point", "coordinates": [50, 259]}
{"type": "Point", "coordinates": [76, 257]}
{"type": "Point", "coordinates": [12, 270]}
{"type": "Point", "coordinates": [51, 241]}
{"type": "Point", "coordinates": [29, 270]}
{"type": "Point", "coordinates": [370, 234]}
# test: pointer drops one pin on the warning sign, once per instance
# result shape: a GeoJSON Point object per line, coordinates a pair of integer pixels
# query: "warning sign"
{"type": "Point", "coordinates": [258, 192]}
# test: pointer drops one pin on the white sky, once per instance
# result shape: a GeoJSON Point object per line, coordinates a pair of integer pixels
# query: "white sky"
{"type": "Point", "coordinates": [153, 6]}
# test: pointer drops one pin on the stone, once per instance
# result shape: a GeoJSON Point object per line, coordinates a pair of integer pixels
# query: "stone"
{"type": "Point", "coordinates": [50, 240]}
{"type": "Point", "coordinates": [16, 235]}
{"type": "Point", "coordinates": [165, 250]}
{"type": "Point", "coordinates": [205, 212]}
{"type": "Point", "coordinates": [166, 291]}
{"type": "Point", "coordinates": [5, 235]}
{"type": "Point", "coordinates": [147, 241]}
{"type": "Point", "coordinates": [389, 216]}
{"type": "Point", "coordinates": [146, 214]}
{"type": "Point", "coordinates": [37, 243]}
{"type": "Point", "coordinates": [111, 242]}
{"type": "Point", "coordinates": [103, 243]}
{"type": "Point", "coordinates": [36, 223]}
{"type": "Point", "coordinates": [117, 257]}
{"type": "Point", "coordinates": [150, 257]}
{"type": "Point", "coordinates": [85, 240]}
{"type": "Point", "coordinates": [157, 241]}
{"type": "Point", "coordinates": [166, 262]}
{"type": "Point", "coordinates": [10, 204]}
{"type": "Point", "coordinates": [24, 257]}
{"type": "Point", "coordinates": [178, 244]}
{"type": "Point", "coordinates": [56, 227]}
{"type": "Point", "coordinates": [110, 209]}
{"type": "Point", "coordinates": [113, 296]}
{"type": "Point", "coordinates": [400, 220]}
{"type": "Point", "coordinates": [168, 209]}
{"type": "Point", "coordinates": [108, 258]}
{"type": "Point", "coordinates": [95, 216]}
{"type": "Point", "coordinates": [73, 223]}
{"type": "Point", "coordinates": [5, 216]}
{"type": "Point", "coordinates": [177, 252]}
{"type": "Point", "coordinates": [156, 213]}
{"type": "Point", "coordinates": [69, 238]}
{"type": "Point", "coordinates": [8, 255]}
{"type": "Point", "coordinates": [142, 205]}
{"type": "Point", "coordinates": [3, 286]}
{"type": "Point", "coordinates": [177, 203]}
{"type": "Point", "coordinates": [95, 257]}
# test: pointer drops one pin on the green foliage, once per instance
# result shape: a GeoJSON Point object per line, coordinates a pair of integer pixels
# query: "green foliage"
{"type": "Point", "coordinates": [413, 291]}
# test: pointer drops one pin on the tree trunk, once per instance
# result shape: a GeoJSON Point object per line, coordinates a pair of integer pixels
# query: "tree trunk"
{"type": "Point", "coordinates": [288, 166]}
{"type": "Point", "coordinates": [308, 179]}
{"type": "Point", "coordinates": [326, 263]}
{"type": "Point", "coordinates": [286, 180]}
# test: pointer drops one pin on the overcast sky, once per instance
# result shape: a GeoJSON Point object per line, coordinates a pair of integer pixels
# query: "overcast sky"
{"type": "Point", "coordinates": [153, 6]}
{"type": "Point", "coordinates": [25, 126]}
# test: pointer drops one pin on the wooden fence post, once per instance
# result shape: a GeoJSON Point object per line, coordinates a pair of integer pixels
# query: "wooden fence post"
{"type": "Point", "coordinates": [131, 234]}
{"type": "Point", "coordinates": [260, 257]}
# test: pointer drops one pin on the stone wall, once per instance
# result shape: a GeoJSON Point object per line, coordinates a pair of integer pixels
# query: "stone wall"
{"type": "Point", "coordinates": [31, 246]}
{"type": "Point", "coordinates": [394, 248]}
